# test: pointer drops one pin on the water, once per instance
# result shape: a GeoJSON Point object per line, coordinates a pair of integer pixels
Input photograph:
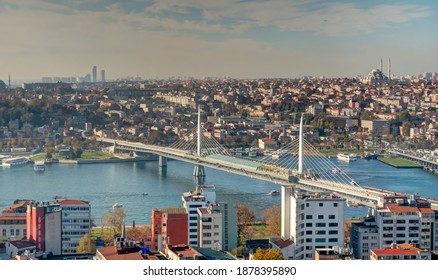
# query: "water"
{"type": "Point", "coordinates": [105, 184]}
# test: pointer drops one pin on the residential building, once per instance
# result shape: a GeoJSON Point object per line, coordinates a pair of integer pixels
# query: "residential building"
{"type": "Point", "coordinates": [210, 228]}
{"type": "Point", "coordinates": [94, 74]}
{"type": "Point", "coordinates": [311, 221]}
{"type": "Point", "coordinates": [169, 227]}
{"type": "Point", "coordinates": [76, 222]}
{"type": "Point", "coordinates": [58, 226]}
{"type": "Point", "coordinates": [43, 222]}
{"type": "Point", "coordinates": [376, 126]}
{"type": "Point", "coordinates": [364, 236]}
{"type": "Point", "coordinates": [267, 143]}
{"type": "Point", "coordinates": [13, 221]}
{"type": "Point", "coordinates": [200, 198]}
{"type": "Point", "coordinates": [333, 254]}
{"type": "Point", "coordinates": [405, 219]}
{"type": "Point", "coordinates": [122, 250]}
{"type": "Point", "coordinates": [19, 247]}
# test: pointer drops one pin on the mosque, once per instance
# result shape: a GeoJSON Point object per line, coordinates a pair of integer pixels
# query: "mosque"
{"type": "Point", "coordinates": [376, 75]}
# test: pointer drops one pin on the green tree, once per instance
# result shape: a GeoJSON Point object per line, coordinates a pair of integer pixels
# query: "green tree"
{"type": "Point", "coordinates": [86, 245]}
{"type": "Point", "coordinates": [268, 254]}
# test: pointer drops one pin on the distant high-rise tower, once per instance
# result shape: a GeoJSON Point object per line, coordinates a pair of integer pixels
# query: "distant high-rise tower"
{"type": "Point", "coordinates": [389, 68]}
{"type": "Point", "coordinates": [103, 76]}
{"type": "Point", "coordinates": [9, 85]}
{"type": "Point", "coordinates": [94, 74]}
{"type": "Point", "coordinates": [381, 64]}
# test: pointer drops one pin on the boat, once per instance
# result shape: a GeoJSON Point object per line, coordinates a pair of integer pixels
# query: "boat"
{"type": "Point", "coordinates": [274, 192]}
{"type": "Point", "coordinates": [345, 157]}
{"type": "Point", "coordinates": [13, 162]}
{"type": "Point", "coordinates": [145, 194]}
{"type": "Point", "coordinates": [39, 166]}
{"type": "Point", "coordinates": [117, 205]}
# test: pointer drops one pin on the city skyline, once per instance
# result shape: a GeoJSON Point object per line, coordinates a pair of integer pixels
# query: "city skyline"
{"type": "Point", "coordinates": [241, 39]}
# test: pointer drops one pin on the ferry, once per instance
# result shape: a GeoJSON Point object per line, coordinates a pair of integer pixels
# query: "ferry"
{"type": "Point", "coordinates": [345, 157]}
{"type": "Point", "coordinates": [274, 192]}
{"type": "Point", "coordinates": [13, 162]}
{"type": "Point", "coordinates": [39, 166]}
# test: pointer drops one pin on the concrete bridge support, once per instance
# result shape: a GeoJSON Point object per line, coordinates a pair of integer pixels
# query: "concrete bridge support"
{"type": "Point", "coordinates": [162, 161]}
{"type": "Point", "coordinates": [199, 171]}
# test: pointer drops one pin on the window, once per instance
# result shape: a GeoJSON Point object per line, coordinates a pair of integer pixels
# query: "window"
{"type": "Point", "coordinates": [308, 224]}
{"type": "Point", "coordinates": [333, 224]}
{"type": "Point", "coordinates": [12, 231]}
{"type": "Point", "coordinates": [320, 240]}
{"type": "Point", "coordinates": [309, 240]}
{"type": "Point", "coordinates": [401, 221]}
{"type": "Point", "coordinates": [365, 238]}
{"type": "Point", "coordinates": [321, 204]}
{"type": "Point", "coordinates": [320, 217]}
{"type": "Point", "coordinates": [302, 206]}
{"type": "Point", "coordinates": [320, 224]}
{"type": "Point", "coordinates": [333, 232]}
{"type": "Point", "coordinates": [401, 228]}
{"type": "Point", "coordinates": [193, 224]}
{"type": "Point", "coordinates": [401, 235]}
{"type": "Point", "coordinates": [320, 232]}
{"type": "Point", "coordinates": [206, 234]}
{"type": "Point", "coordinates": [193, 230]}
{"type": "Point", "coordinates": [193, 236]}
{"type": "Point", "coordinates": [335, 204]}
{"type": "Point", "coordinates": [308, 217]}
{"type": "Point", "coordinates": [308, 232]}
{"type": "Point", "coordinates": [331, 217]}
{"type": "Point", "coordinates": [17, 232]}
{"type": "Point", "coordinates": [193, 218]}
{"type": "Point", "coordinates": [307, 204]}
{"type": "Point", "coordinates": [333, 240]}
{"type": "Point", "coordinates": [206, 227]}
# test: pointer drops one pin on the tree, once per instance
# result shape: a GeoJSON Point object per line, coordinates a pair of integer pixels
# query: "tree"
{"type": "Point", "coordinates": [268, 254]}
{"type": "Point", "coordinates": [138, 231]}
{"type": "Point", "coordinates": [86, 245]}
{"type": "Point", "coordinates": [245, 218]}
{"type": "Point", "coordinates": [272, 219]}
{"type": "Point", "coordinates": [115, 219]}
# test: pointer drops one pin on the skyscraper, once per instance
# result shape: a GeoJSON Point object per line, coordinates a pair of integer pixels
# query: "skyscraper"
{"type": "Point", "coordinates": [94, 74]}
{"type": "Point", "coordinates": [103, 76]}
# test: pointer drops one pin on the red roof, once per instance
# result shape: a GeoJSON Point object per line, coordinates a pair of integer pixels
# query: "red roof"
{"type": "Point", "coordinates": [426, 210]}
{"type": "Point", "coordinates": [283, 243]}
{"type": "Point", "coordinates": [110, 253]}
{"type": "Point", "coordinates": [401, 208]}
{"type": "Point", "coordinates": [395, 251]}
{"type": "Point", "coordinates": [72, 202]}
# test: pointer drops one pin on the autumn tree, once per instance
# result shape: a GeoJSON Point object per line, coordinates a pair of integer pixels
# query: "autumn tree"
{"type": "Point", "coordinates": [138, 231]}
{"type": "Point", "coordinates": [115, 219]}
{"type": "Point", "coordinates": [268, 254]}
{"type": "Point", "coordinates": [87, 244]}
{"type": "Point", "coordinates": [245, 218]}
{"type": "Point", "coordinates": [272, 219]}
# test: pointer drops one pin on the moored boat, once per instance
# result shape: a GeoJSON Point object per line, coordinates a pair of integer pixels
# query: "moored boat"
{"type": "Point", "coordinates": [274, 192]}
{"type": "Point", "coordinates": [345, 157]}
{"type": "Point", "coordinates": [39, 166]}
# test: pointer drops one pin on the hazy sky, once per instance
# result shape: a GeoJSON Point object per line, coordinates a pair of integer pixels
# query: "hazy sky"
{"type": "Point", "coordinates": [237, 38]}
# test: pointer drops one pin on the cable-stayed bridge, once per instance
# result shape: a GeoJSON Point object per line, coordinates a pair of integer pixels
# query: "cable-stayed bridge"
{"type": "Point", "coordinates": [298, 163]}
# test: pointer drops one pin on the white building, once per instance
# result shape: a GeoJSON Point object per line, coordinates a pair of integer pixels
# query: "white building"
{"type": "Point", "coordinates": [311, 221]}
{"type": "Point", "coordinates": [405, 219]}
{"type": "Point", "coordinates": [210, 228]}
{"type": "Point", "coordinates": [76, 222]}
{"type": "Point", "coordinates": [201, 198]}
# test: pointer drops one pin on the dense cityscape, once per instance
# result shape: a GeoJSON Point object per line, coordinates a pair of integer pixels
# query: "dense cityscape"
{"type": "Point", "coordinates": [59, 121]}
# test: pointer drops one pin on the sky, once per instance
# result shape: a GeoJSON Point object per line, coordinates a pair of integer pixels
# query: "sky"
{"type": "Point", "coordinates": [216, 38]}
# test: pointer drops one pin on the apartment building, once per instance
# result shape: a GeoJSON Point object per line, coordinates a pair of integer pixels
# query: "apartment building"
{"type": "Point", "coordinates": [311, 220]}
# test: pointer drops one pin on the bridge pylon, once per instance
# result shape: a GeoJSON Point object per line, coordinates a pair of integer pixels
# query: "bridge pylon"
{"type": "Point", "coordinates": [199, 169]}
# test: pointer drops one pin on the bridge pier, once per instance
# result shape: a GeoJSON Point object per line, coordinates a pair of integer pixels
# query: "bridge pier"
{"type": "Point", "coordinates": [199, 171]}
{"type": "Point", "coordinates": [162, 161]}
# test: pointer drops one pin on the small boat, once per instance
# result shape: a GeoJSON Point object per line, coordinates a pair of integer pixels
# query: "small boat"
{"type": "Point", "coordinates": [117, 205]}
{"type": "Point", "coordinates": [39, 166]}
{"type": "Point", "coordinates": [274, 192]}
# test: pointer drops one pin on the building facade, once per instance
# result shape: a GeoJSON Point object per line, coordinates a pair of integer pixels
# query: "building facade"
{"type": "Point", "coordinates": [311, 221]}
{"type": "Point", "coordinates": [210, 223]}
{"type": "Point", "coordinates": [169, 227]}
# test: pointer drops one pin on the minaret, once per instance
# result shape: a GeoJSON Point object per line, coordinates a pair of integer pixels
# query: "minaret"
{"type": "Point", "coordinates": [389, 69]}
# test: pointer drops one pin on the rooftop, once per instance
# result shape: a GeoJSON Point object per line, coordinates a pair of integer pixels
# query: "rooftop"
{"type": "Point", "coordinates": [111, 253]}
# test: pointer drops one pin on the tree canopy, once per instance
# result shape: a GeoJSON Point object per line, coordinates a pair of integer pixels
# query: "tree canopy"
{"type": "Point", "coordinates": [268, 254]}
